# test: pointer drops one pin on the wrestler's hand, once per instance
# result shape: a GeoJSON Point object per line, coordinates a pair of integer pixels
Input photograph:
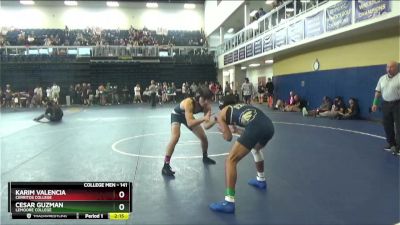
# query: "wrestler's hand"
{"type": "Point", "coordinates": [207, 116]}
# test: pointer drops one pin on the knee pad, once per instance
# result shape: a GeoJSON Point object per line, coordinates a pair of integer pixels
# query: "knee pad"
{"type": "Point", "coordinates": [258, 155]}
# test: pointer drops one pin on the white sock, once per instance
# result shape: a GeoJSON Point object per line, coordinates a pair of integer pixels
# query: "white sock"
{"type": "Point", "coordinates": [260, 176]}
{"type": "Point", "coordinates": [230, 199]}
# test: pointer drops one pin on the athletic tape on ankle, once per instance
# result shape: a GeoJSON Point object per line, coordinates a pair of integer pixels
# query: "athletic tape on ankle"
{"type": "Point", "coordinates": [230, 192]}
{"type": "Point", "coordinates": [258, 155]}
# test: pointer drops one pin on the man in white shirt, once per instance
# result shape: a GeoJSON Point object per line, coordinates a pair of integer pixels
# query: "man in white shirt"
{"type": "Point", "coordinates": [247, 90]}
{"type": "Point", "coordinates": [55, 92]}
{"type": "Point", "coordinates": [138, 97]}
{"type": "Point", "coordinates": [388, 88]}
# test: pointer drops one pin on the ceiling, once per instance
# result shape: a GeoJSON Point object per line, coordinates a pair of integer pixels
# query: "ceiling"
{"type": "Point", "coordinates": [236, 19]}
{"type": "Point", "coordinates": [87, 2]}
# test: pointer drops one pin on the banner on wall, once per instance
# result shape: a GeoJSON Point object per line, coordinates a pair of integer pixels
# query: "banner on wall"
{"type": "Point", "coordinates": [280, 38]}
{"type": "Point", "coordinates": [296, 31]}
{"type": "Point", "coordinates": [225, 59]}
{"type": "Point", "coordinates": [338, 15]}
{"type": "Point", "coordinates": [242, 53]}
{"type": "Point", "coordinates": [367, 9]}
{"type": "Point", "coordinates": [236, 55]}
{"type": "Point", "coordinates": [314, 25]}
{"type": "Point", "coordinates": [267, 42]}
{"type": "Point", "coordinates": [258, 47]}
{"type": "Point", "coordinates": [249, 50]}
{"type": "Point", "coordinates": [230, 57]}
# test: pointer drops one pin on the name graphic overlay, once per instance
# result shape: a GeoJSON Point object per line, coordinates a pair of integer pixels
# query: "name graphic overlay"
{"type": "Point", "coordinates": [70, 200]}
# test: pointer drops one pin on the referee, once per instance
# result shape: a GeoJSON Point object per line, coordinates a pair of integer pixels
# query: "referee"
{"type": "Point", "coordinates": [389, 89]}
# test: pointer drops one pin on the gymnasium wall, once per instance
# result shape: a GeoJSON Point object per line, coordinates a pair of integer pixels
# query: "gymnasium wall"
{"type": "Point", "coordinates": [25, 76]}
{"type": "Point", "coordinates": [350, 68]}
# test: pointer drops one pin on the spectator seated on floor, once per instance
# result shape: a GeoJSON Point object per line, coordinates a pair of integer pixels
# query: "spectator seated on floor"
{"type": "Point", "coordinates": [281, 105]}
{"type": "Point", "coordinates": [325, 106]}
{"type": "Point", "coordinates": [296, 105]}
{"type": "Point", "coordinates": [352, 111]}
{"type": "Point", "coordinates": [337, 107]}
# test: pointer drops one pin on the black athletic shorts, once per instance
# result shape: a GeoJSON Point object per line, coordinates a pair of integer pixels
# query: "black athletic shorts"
{"type": "Point", "coordinates": [246, 97]}
{"type": "Point", "coordinates": [260, 130]}
{"type": "Point", "coordinates": [179, 118]}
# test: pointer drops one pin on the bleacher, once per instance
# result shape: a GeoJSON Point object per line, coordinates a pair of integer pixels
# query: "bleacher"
{"type": "Point", "coordinates": [90, 37]}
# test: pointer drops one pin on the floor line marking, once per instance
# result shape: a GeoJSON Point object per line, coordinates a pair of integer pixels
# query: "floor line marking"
{"type": "Point", "coordinates": [114, 148]}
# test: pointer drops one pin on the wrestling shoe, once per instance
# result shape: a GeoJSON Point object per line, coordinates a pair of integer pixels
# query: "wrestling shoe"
{"type": "Point", "coordinates": [224, 207]}
{"type": "Point", "coordinates": [166, 170]}
{"type": "Point", "coordinates": [258, 184]}
{"type": "Point", "coordinates": [207, 160]}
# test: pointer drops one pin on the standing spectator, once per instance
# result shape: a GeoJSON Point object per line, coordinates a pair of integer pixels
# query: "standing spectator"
{"type": "Point", "coordinates": [270, 92]}
{"type": "Point", "coordinates": [261, 91]}
{"type": "Point", "coordinates": [89, 94]}
{"type": "Point", "coordinates": [146, 95]}
{"type": "Point", "coordinates": [37, 96]}
{"type": "Point", "coordinates": [193, 89]}
{"type": "Point", "coordinates": [8, 96]}
{"type": "Point", "coordinates": [85, 97]}
{"type": "Point", "coordinates": [261, 12]}
{"type": "Point", "coordinates": [228, 89]}
{"type": "Point", "coordinates": [247, 90]}
{"type": "Point", "coordinates": [184, 90]}
{"type": "Point", "coordinates": [388, 88]}
{"type": "Point", "coordinates": [55, 93]}
{"type": "Point", "coordinates": [1, 97]}
{"type": "Point", "coordinates": [71, 93]}
{"type": "Point", "coordinates": [125, 95]}
{"type": "Point", "coordinates": [78, 94]}
{"type": "Point", "coordinates": [214, 89]}
{"type": "Point", "coordinates": [48, 94]}
{"type": "Point", "coordinates": [138, 97]}
{"type": "Point", "coordinates": [153, 91]}
{"type": "Point", "coordinates": [101, 94]}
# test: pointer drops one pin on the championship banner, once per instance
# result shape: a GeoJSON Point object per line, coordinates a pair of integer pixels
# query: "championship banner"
{"type": "Point", "coordinates": [249, 50]}
{"type": "Point", "coordinates": [236, 55]}
{"type": "Point", "coordinates": [296, 31]}
{"type": "Point", "coordinates": [368, 9]}
{"type": "Point", "coordinates": [258, 46]}
{"type": "Point", "coordinates": [314, 25]}
{"type": "Point", "coordinates": [230, 58]}
{"type": "Point", "coordinates": [338, 15]}
{"type": "Point", "coordinates": [242, 53]}
{"type": "Point", "coordinates": [267, 42]}
{"type": "Point", "coordinates": [225, 59]}
{"type": "Point", "coordinates": [280, 37]}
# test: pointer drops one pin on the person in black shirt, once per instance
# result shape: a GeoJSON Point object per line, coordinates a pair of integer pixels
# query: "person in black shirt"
{"type": "Point", "coordinates": [270, 92]}
{"type": "Point", "coordinates": [53, 113]}
{"type": "Point", "coordinates": [256, 130]}
{"type": "Point", "coordinates": [261, 91]}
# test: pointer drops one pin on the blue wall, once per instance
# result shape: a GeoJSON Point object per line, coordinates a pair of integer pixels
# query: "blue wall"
{"type": "Point", "coordinates": [358, 82]}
